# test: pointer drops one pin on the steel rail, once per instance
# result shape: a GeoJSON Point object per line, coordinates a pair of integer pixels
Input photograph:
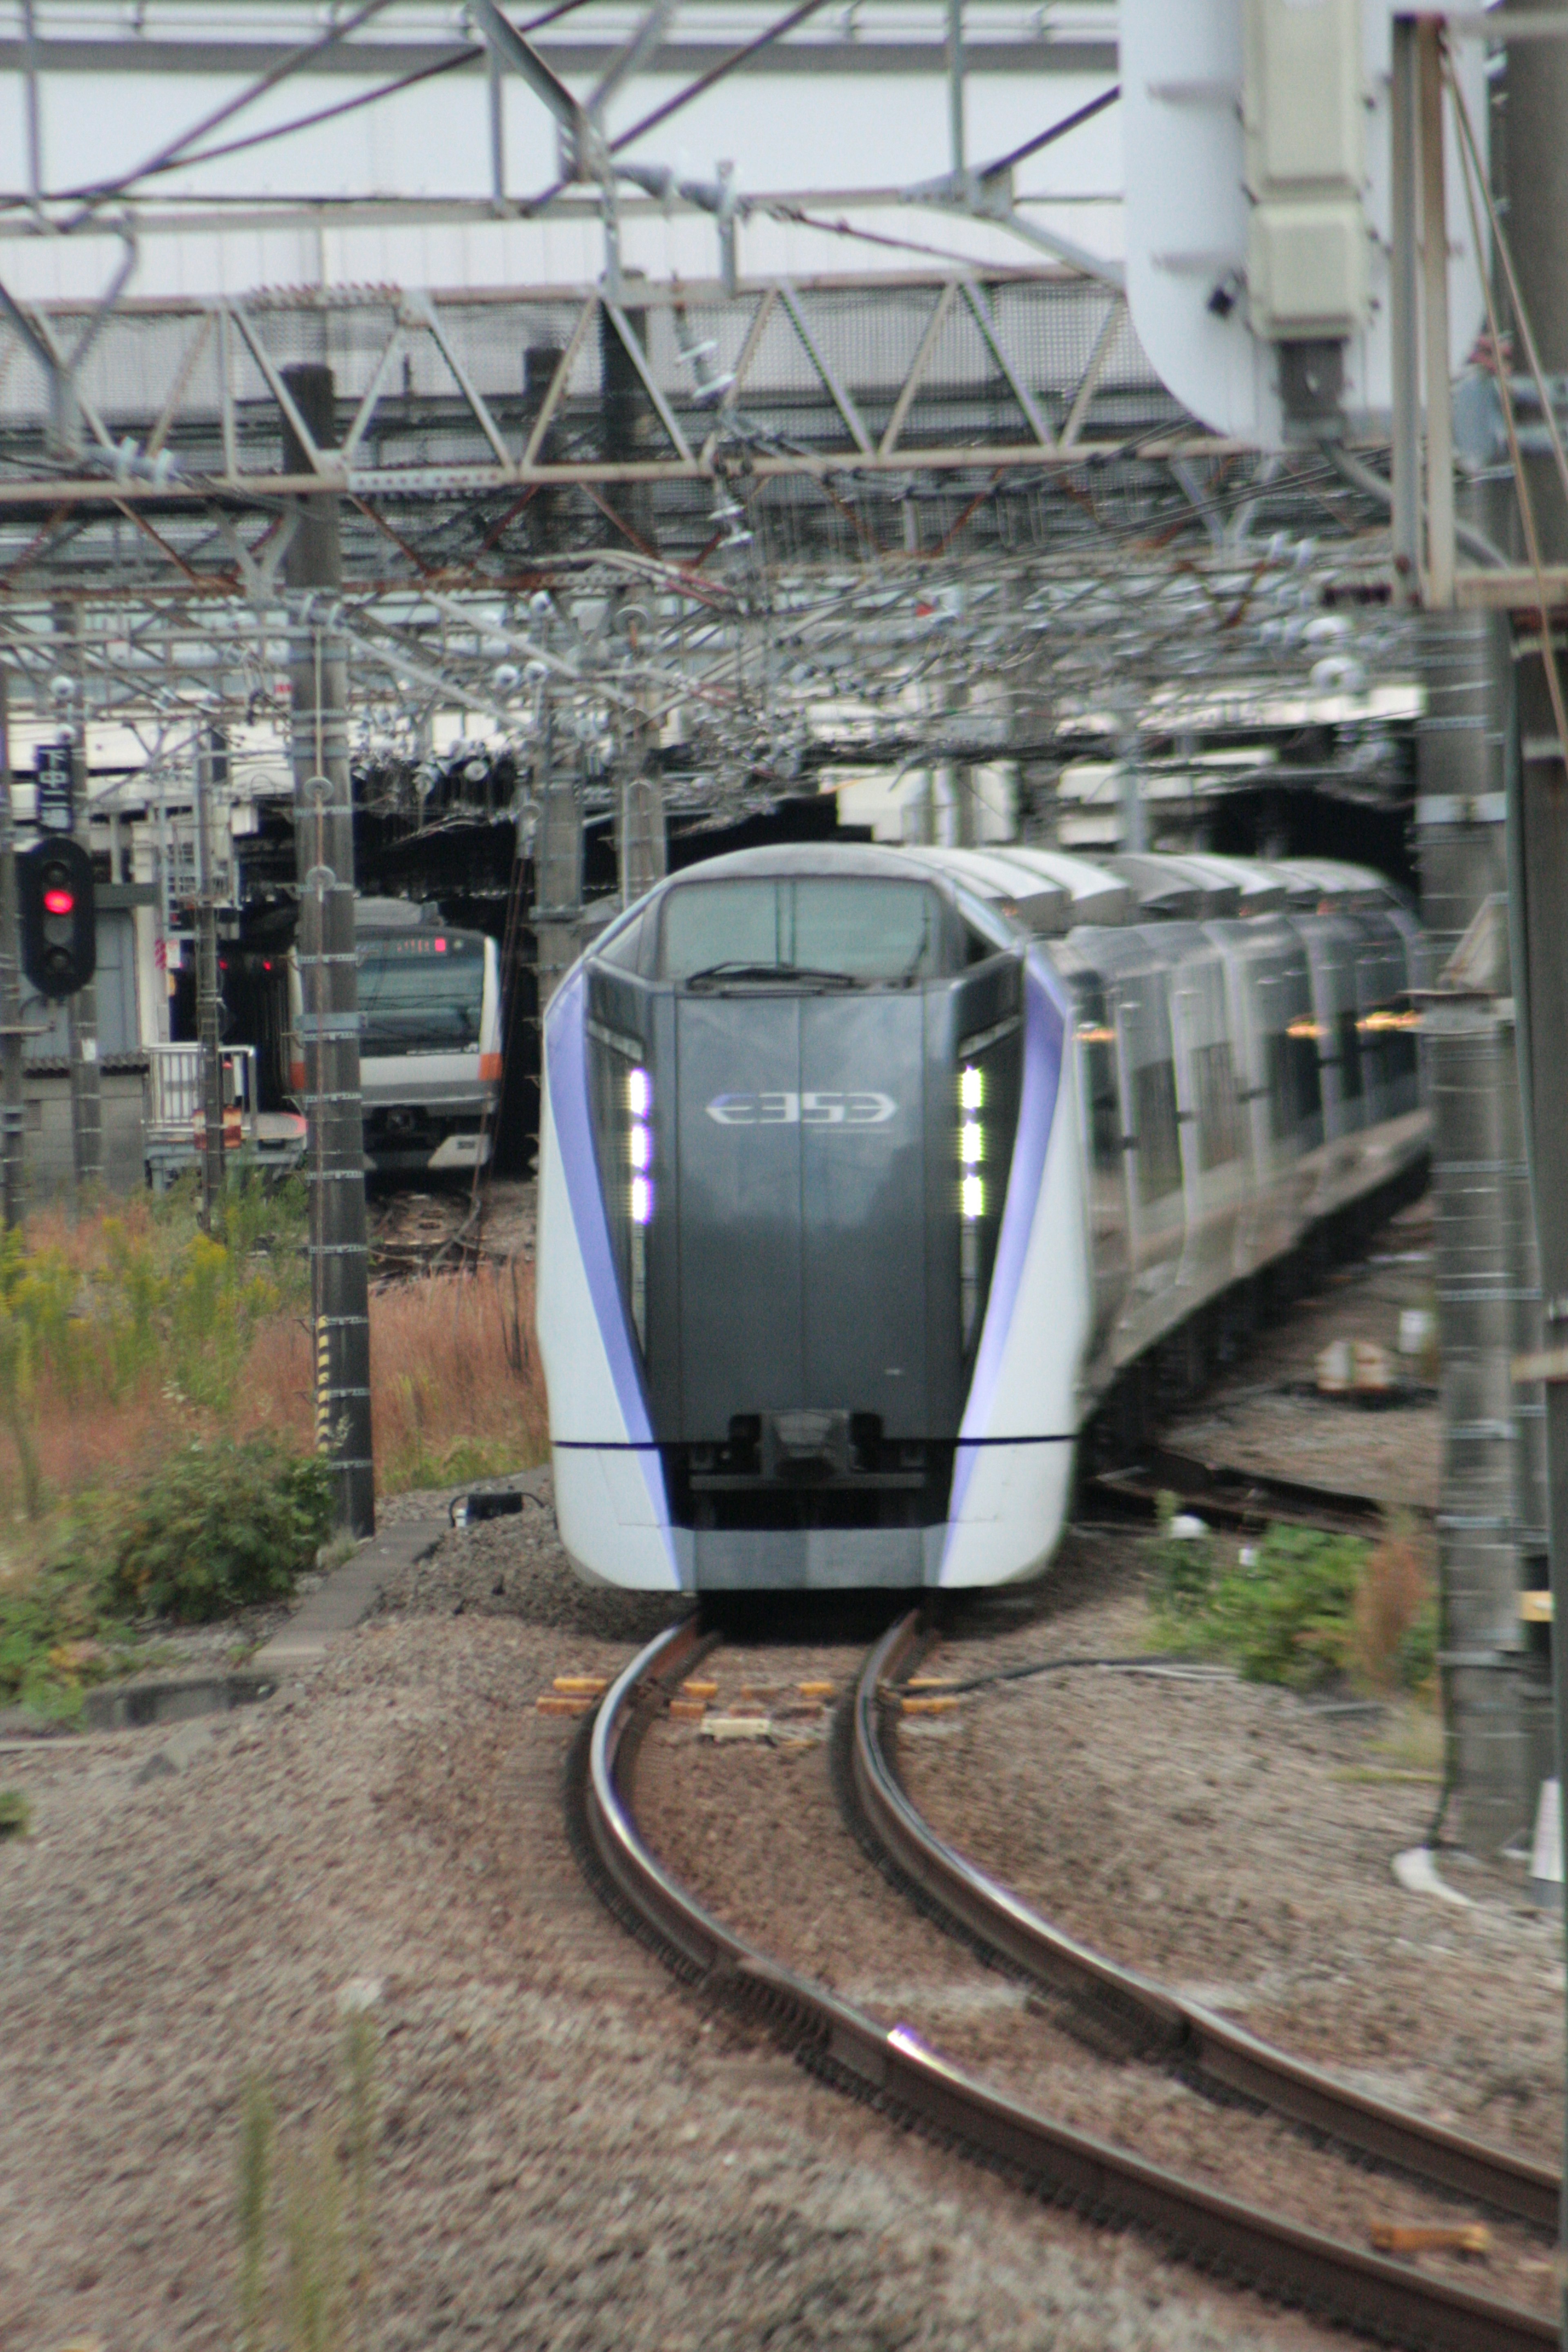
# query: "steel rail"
{"type": "Point", "coordinates": [892, 2069]}
{"type": "Point", "coordinates": [1179, 2030]}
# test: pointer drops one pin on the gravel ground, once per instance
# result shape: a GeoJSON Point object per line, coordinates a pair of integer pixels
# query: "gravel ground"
{"type": "Point", "coordinates": [1236, 1841]}
{"type": "Point", "coordinates": [1259, 1419]}
{"type": "Point", "coordinates": [572, 2153]}
{"type": "Point", "coordinates": [756, 1832]}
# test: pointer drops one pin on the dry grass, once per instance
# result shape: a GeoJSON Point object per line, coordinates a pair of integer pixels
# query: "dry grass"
{"type": "Point", "coordinates": [1394, 1602]}
{"type": "Point", "coordinates": [456, 1388]}
{"type": "Point", "coordinates": [456, 1384]}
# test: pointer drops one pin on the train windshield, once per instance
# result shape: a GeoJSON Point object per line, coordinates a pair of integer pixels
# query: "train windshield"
{"type": "Point", "coordinates": [422, 994]}
{"type": "Point", "coordinates": [847, 932]}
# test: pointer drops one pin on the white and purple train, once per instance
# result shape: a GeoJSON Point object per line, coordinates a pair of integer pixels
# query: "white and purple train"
{"type": "Point", "coordinates": [864, 1173]}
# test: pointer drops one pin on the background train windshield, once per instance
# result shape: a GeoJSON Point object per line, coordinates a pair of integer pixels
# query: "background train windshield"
{"type": "Point", "coordinates": [421, 995]}
{"type": "Point", "coordinates": [862, 930]}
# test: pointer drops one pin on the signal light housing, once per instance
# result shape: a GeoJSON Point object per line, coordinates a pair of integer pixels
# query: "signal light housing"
{"type": "Point", "coordinates": [59, 927]}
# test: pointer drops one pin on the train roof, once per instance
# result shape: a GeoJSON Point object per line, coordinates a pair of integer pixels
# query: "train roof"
{"type": "Point", "coordinates": [1049, 893]}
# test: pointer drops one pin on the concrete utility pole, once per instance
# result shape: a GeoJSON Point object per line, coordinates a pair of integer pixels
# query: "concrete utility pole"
{"type": "Point", "coordinates": [1538, 188]}
{"type": "Point", "coordinates": [13, 1109]}
{"type": "Point", "coordinates": [81, 1009]}
{"type": "Point", "coordinates": [208, 1003]}
{"type": "Point", "coordinates": [557, 868]}
{"type": "Point", "coordinates": [328, 972]}
{"type": "Point", "coordinates": [1491, 1509]}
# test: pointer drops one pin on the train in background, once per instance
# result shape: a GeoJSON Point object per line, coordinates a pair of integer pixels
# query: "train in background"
{"type": "Point", "coordinates": [867, 1175]}
{"type": "Point", "coordinates": [430, 1039]}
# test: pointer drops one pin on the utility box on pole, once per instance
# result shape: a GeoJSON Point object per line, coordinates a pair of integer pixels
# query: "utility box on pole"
{"type": "Point", "coordinates": [1303, 116]}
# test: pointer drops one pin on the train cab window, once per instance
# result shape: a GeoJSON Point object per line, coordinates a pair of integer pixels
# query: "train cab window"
{"type": "Point", "coordinates": [420, 991]}
{"type": "Point", "coordinates": [874, 931]}
{"type": "Point", "coordinates": [625, 943]}
{"type": "Point", "coordinates": [1158, 1151]}
{"type": "Point", "coordinates": [715, 923]}
{"type": "Point", "coordinates": [853, 928]}
{"type": "Point", "coordinates": [1214, 1085]}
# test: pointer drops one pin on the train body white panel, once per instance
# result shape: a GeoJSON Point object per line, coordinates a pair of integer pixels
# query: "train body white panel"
{"type": "Point", "coordinates": [610, 1499]}
{"type": "Point", "coordinates": [1014, 1507]}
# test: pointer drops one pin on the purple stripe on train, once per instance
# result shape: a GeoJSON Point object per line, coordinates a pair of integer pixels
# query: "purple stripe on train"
{"type": "Point", "coordinates": [1045, 1026]}
{"type": "Point", "coordinates": [566, 1053]}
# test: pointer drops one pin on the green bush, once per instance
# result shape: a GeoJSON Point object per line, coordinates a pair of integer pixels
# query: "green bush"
{"type": "Point", "coordinates": [221, 1525]}
{"type": "Point", "coordinates": [1285, 1616]}
{"type": "Point", "coordinates": [1185, 1569]}
{"type": "Point", "coordinates": [1283, 1613]}
{"type": "Point", "coordinates": [14, 1816]}
{"type": "Point", "coordinates": [52, 1638]}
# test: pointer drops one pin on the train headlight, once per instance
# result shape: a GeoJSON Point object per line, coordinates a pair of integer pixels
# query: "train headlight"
{"type": "Point", "coordinates": [642, 1147]}
{"type": "Point", "coordinates": [971, 1141]}
{"type": "Point", "coordinates": [639, 1094]}
{"type": "Point", "coordinates": [642, 1201]}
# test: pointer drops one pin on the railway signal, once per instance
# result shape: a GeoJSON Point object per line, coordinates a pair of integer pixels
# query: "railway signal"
{"type": "Point", "coordinates": [60, 932]}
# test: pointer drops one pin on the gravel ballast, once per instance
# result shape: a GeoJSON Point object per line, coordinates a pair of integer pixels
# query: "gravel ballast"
{"type": "Point", "coordinates": [573, 2150]}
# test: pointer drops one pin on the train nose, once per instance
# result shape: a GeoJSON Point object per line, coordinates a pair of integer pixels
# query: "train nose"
{"type": "Point", "coordinates": [801, 1147]}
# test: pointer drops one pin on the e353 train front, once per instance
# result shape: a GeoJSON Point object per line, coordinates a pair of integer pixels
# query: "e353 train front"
{"type": "Point", "coordinates": [813, 1285]}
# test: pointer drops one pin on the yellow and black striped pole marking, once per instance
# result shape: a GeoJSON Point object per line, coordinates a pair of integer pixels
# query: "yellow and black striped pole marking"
{"type": "Point", "coordinates": [323, 1387]}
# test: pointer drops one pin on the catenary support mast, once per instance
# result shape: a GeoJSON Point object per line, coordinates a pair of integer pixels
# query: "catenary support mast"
{"type": "Point", "coordinates": [329, 975]}
{"type": "Point", "coordinates": [1538, 207]}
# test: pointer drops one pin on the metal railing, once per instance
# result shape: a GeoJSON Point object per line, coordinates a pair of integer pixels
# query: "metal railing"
{"type": "Point", "coordinates": [173, 1095]}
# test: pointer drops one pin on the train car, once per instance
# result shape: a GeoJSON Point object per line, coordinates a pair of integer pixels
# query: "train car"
{"type": "Point", "coordinates": [866, 1174]}
{"type": "Point", "coordinates": [430, 1028]}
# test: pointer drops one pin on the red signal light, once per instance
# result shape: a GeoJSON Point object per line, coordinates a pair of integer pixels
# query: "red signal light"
{"type": "Point", "coordinates": [440, 946]}
{"type": "Point", "coordinates": [59, 902]}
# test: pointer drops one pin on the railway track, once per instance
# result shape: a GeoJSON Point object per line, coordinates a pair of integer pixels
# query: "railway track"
{"type": "Point", "coordinates": [1245, 1500]}
{"type": "Point", "coordinates": [894, 2070]}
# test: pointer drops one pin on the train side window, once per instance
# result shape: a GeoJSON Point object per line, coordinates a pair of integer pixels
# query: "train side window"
{"type": "Point", "coordinates": [1347, 1036]}
{"type": "Point", "coordinates": [1403, 1052]}
{"type": "Point", "coordinates": [1388, 1039]}
{"type": "Point", "coordinates": [1278, 1085]}
{"type": "Point", "coordinates": [1158, 1151]}
{"type": "Point", "coordinates": [1214, 1083]}
{"type": "Point", "coordinates": [984, 932]}
{"type": "Point", "coordinates": [1295, 1090]}
{"type": "Point", "coordinates": [1097, 1048]}
{"type": "Point", "coordinates": [1306, 1086]}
